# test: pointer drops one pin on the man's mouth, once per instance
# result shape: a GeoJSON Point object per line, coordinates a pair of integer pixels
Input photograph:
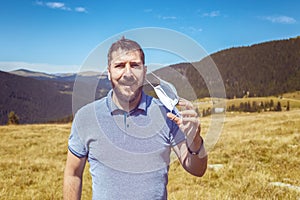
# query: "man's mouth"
{"type": "Point", "coordinates": [128, 84]}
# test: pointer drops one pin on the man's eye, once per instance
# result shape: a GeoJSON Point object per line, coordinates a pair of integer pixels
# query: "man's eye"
{"type": "Point", "coordinates": [136, 65]}
{"type": "Point", "coordinates": [119, 66]}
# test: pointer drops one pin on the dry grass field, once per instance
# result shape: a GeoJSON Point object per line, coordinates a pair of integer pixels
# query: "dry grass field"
{"type": "Point", "coordinates": [254, 151]}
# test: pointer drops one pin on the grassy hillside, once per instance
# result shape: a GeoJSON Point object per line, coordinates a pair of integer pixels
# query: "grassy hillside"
{"type": "Point", "coordinates": [254, 150]}
{"type": "Point", "coordinates": [292, 98]}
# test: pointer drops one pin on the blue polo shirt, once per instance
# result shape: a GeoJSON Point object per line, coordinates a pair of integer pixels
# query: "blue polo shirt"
{"type": "Point", "coordinates": [128, 152]}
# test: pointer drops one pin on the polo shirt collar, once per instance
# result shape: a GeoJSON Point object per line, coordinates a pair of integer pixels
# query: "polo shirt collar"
{"type": "Point", "coordinates": [113, 108]}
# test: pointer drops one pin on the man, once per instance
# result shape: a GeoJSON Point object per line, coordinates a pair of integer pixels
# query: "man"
{"type": "Point", "coordinates": [127, 136]}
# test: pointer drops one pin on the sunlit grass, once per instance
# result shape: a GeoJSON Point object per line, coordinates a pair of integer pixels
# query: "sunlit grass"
{"type": "Point", "coordinates": [254, 149]}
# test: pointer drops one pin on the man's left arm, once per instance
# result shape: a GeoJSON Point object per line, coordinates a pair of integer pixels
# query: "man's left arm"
{"type": "Point", "coordinates": [191, 152]}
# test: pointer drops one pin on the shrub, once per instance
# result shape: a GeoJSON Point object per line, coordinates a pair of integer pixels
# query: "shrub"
{"type": "Point", "coordinates": [13, 118]}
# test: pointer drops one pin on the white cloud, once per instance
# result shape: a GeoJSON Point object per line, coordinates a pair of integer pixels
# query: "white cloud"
{"type": "Point", "coordinates": [39, 3]}
{"type": "Point", "coordinates": [211, 14]}
{"type": "Point", "coordinates": [60, 6]}
{"type": "Point", "coordinates": [167, 17]}
{"type": "Point", "coordinates": [148, 10]}
{"type": "Point", "coordinates": [81, 9]}
{"type": "Point", "coordinates": [191, 29]}
{"type": "Point", "coordinates": [280, 19]}
{"type": "Point", "coordinates": [57, 5]}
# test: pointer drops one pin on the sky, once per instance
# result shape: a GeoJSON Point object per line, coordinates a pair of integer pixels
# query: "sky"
{"type": "Point", "coordinates": [58, 36]}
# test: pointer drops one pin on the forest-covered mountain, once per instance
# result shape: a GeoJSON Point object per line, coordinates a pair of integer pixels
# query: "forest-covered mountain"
{"type": "Point", "coordinates": [34, 101]}
{"type": "Point", "coordinates": [39, 97]}
{"type": "Point", "coordinates": [64, 82]}
{"type": "Point", "coordinates": [264, 69]}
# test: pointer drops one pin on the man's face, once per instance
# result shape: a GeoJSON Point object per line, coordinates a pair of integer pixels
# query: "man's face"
{"type": "Point", "coordinates": [127, 74]}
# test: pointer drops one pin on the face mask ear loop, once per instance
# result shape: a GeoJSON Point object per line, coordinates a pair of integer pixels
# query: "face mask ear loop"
{"type": "Point", "coordinates": [155, 76]}
{"type": "Point", "coordinates": [176, 112]}
{"type": "Point", "coordinates": [159, 83]}
{"type": "Point", "coordinates": [154, 87]}
{"type": "Point", "coordinates": [165, 81]}
{"type": "Point", "coordinates": [150, 83]}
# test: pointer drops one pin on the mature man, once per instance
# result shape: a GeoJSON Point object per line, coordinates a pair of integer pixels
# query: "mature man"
{"type": "Point", "coordinates": [127, 136]}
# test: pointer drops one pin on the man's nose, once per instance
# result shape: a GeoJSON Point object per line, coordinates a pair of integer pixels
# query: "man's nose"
{"type": "Point", "coordinates": [128, 70]}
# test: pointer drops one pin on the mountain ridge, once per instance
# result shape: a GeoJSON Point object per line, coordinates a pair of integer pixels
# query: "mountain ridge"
{"type": "Point", "coordinates": [34, 101]}
{"type": "Point", "coordinates": [264, 69]}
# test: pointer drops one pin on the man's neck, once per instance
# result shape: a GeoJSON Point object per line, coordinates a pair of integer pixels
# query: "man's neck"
{"type": "Point", "coordinates": [126, 105]}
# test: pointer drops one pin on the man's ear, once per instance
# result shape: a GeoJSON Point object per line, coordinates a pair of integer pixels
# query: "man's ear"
{"type": "Point", "coordinates": [108, 73]}
{"type": "Point", "coordinates": [145, 70]}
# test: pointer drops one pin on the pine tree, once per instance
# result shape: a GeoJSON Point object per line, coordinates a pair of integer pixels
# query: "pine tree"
{"type": "Point", "coordinates": [278, 107]}
{"type": "Point", "coordinates": [248, 108]}
{"type": "Point", "coordinates": [254, 107]}
{"type": "Point", "coordinates": [13, 118]}
{"type": "Point", "coordinates": [262, 105]}
{"type": "Point", "coordinates": [271, 104]}
{"type": "Point", "coordinates": [241, 108]}
{"type": "Point", "coordinates": [288, 106]}
{"type": "Point", "coordinates": [232, 107]}
{"type": "Point", "coordinates": [203, 113]}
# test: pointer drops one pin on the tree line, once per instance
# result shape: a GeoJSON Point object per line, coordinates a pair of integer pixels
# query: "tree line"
{"type": "Point", "coordinates": [14, 119]}
{"type": "Point", "coordinates": [263, 106]}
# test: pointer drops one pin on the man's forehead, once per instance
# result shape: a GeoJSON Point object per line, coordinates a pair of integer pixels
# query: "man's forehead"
{"type": "Point", "coordinates": [123, 55]}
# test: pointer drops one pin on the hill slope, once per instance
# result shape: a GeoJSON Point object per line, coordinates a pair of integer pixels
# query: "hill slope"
{"type": "Point", "coordinates": [34, 101]}
{"type": "Point", "coordinates": [264, 69]}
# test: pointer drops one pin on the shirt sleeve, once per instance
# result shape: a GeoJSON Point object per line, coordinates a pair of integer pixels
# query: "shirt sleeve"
{"type": "Point", "coordinates": [76, 146]}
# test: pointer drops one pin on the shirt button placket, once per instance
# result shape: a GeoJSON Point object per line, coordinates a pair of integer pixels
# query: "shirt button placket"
{"type": "Point", "coordinates": [127, 124]}
{"type": "Point", "coordinates": [126, 115]}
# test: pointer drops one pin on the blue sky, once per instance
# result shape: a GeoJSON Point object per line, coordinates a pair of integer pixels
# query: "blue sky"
{"type": "Point", "coordinates": [57, 36]}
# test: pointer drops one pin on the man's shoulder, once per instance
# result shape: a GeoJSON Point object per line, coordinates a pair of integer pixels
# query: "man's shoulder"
{"type": "Point", "coordinates": [153, 102]}
{"type": "Point", "coordinates": [92, 106]}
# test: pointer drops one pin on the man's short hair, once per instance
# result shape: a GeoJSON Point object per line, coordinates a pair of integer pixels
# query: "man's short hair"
{"type": "Point", "coordinates": [127, 45]}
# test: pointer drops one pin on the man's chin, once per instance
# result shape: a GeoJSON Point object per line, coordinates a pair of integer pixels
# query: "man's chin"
{"type": "Point", "coordinates": [124, 95]}
{"type": "Point", "coordinates": [128, 96]}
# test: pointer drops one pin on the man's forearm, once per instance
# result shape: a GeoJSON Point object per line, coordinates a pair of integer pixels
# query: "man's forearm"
{"type": "Point", "coordinates": [195, 162]}
{"type": "Point", "coordinates": [72, 187]}
{"type": "Point", "coordinates": [195, 165]}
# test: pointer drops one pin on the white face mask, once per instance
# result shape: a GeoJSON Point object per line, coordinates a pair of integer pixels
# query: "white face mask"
{"type": "Point", "coordinates": [167, 94]}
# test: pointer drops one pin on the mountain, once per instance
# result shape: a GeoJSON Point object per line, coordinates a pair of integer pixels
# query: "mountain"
{"type": "Point", "coordinates": [34, 101]}
{"type": "Point", "coordinates": [38, 97]}
{"type": "Point", "coordinates": [269, 68]}
{"type": "Point", "coordinates": [28, 73]}
{"type": "Point", "coordinates": [64, 82]}
{"type": "Point", "coordinates": [57, 76]}
{"type": "Point", "coordinates": [264, 69]}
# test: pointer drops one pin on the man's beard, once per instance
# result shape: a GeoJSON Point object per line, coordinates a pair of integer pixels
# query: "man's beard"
{"type": "Point", "coordinates": [126, 98]}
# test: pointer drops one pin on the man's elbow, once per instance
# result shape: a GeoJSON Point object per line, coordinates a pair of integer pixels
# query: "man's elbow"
{"type": "Point", "coordinates": [200, 171]}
